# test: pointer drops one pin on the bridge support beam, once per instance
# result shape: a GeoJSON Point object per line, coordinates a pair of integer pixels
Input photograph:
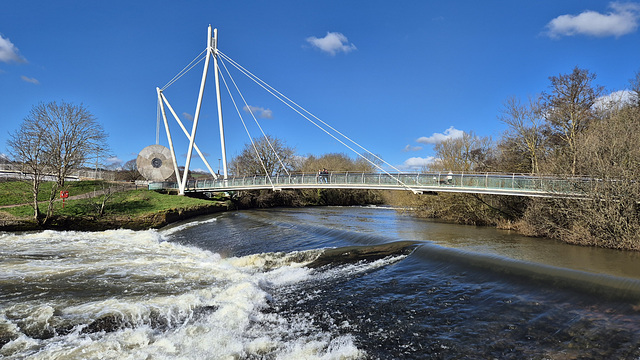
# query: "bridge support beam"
{"type": "Point", "coordinates": [196, 117]}
{"type": "Point", "coordinates": [216, 70]}
{"type": "Point", "coordinates": [211, 52]}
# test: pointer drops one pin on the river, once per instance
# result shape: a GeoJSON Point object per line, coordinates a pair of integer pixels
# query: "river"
{"type": "Point", "coordinates": [242, 285]}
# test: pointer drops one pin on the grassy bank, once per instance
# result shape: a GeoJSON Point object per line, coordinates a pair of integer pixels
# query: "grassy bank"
{"type": "Point", "coordinates": [19, 192]}
{"type": "Point", "coordinates": [130, 209]}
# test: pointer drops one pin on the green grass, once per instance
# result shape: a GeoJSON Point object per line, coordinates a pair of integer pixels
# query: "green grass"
{"type": "Point", "coordinates": [127, 203]}
{"type": "Point", "coordinates": [19, 192]}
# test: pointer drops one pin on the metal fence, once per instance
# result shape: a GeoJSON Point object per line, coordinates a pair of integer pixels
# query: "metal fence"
{"type": "Point", "coordinates": [11, 171]}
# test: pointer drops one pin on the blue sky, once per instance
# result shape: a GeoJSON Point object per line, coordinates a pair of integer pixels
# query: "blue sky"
{"type": "Point", "coordinates": [395, 76]}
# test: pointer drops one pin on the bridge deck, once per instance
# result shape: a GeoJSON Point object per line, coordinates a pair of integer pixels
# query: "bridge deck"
{"type": "Point", "coordinates": [487, 183]}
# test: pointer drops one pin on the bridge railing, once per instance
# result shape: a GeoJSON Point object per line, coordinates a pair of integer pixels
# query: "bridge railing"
{"type": "Point", "coordinates": [495, 181]}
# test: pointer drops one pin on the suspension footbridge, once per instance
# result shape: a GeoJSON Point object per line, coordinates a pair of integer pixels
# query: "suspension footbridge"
{"type": "Point", "coordinates": [385, 177]}
{"type": "Point", "coordinates": [474, 183]}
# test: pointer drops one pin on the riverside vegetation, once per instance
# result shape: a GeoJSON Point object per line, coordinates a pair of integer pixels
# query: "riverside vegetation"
{"type": "Point", "coordinates": [571, 130]}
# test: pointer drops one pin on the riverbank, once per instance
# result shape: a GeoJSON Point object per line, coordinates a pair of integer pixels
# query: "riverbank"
{"type": "Point", "coordinates": [150, 220]}
{"type": "Point", "coordinates": [135, 209]}
{"type": "Point", "coordinates": [97, 208]}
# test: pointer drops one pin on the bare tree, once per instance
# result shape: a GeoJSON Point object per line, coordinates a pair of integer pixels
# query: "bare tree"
{"type": "Point", "coordinates": [568, 109]}
{"type": "Point", "coordinates": [467, 153]}
{"type": "Point", "coordinates": [64, 136]}
{"type": "Point", "coordinates": [337, 162]}
{"type": "Point", "coordinates": [130, 171]}
{"type": "Point", "coordinates": [27, 146]}
{"type": "Point", "coordinates": [635, 88]}
{"type": "Point", "coordinates": [265, 155]}
{"type": "Point", "coordinates": [525, 128]}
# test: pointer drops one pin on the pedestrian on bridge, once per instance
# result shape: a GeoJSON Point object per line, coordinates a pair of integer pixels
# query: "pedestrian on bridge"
{"type": "Point", "coordinates": [323, 176]}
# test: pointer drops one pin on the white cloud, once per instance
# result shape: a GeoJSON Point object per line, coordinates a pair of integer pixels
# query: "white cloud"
{"type": "Point", "coordinates": [622, 20]}
{"type": "Point", "coordinates": [9, 52]}
{"type": "Point", "coordinates": [615, 100]}
{"type": "Point", "coordinates": [30, 80]}
{"type": "Point", "coordinates": [187, 116]}
{"type": "Point", "coordinates": [450, 133]}
{"type": "Point", "coordinates": [259, 111]}
{"type": "Point", "coordinates": [332, 43]}
{"type": "Point", "coordinates": [417, 163]}
{"type": "Point", "coordinates": [113, 160]}
{"type": "Point", "coordinates": [409, 148]}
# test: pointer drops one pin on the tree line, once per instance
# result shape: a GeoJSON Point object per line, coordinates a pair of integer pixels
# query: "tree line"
{"type": "Point", "coordinates": [269, 155]}
{"type": "Point", "coordinates": [568, 130]}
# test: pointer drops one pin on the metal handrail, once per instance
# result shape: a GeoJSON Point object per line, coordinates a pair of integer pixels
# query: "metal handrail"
{"type": "Point", "coordinates": [485, 182]}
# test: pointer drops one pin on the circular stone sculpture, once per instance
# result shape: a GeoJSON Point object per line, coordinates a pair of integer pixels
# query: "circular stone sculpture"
{"type": "Point", "coordinates": [154, 163]}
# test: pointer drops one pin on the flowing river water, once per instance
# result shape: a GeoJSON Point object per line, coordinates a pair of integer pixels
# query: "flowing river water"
{"type": "Point", "coordinates": [249, 285]}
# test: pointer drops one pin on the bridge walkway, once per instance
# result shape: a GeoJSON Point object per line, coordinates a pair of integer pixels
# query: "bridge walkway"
{"type": "Point", "coordinates": [478, 183]}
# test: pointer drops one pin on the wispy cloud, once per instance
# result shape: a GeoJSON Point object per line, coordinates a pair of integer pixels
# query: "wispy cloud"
{"type": "Point", "coordinates": [30, 80]}
{"type": "Point", "coordinates": [259, 111]}
{"type": "Point", "coordinates": [9, 52]}
{"type": "Point", "coordinates": [332, 43]}
{"type": "Point", "coordinates": [621, 20]}
{"type": "Point", "coordinates": [187, 116]}
{"type": "Point", "coordinates": [410, 148]}
{"type": "Point", "coordinates": [450, 133]}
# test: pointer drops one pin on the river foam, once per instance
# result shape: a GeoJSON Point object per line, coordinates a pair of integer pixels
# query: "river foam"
{"type": "Point", "coordinates": [125, 294]}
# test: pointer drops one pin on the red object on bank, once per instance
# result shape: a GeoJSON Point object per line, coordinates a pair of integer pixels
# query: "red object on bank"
{"type": "Point", "coordinates": [64, 195]}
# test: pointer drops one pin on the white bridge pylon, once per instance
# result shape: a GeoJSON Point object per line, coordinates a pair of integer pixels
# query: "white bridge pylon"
{"type": "Point", "coordinates": [211, 52]}
{"type": "Point", "coordinates": [218, 57]}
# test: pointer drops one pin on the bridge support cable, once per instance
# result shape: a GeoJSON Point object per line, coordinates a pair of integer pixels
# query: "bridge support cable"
{"type": "Point", "coordinates": [158, 122]}
{"type": "Point", "coordinates": [294, 106]}
{"type": "Point", "coordinates": [186, 133]}
{"type": "Point", "coordinates": [185, 70]}
{"type": "Point", "coordinates": [254, 118]}
{"type": "Point", "coordinates": [247, 131]}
